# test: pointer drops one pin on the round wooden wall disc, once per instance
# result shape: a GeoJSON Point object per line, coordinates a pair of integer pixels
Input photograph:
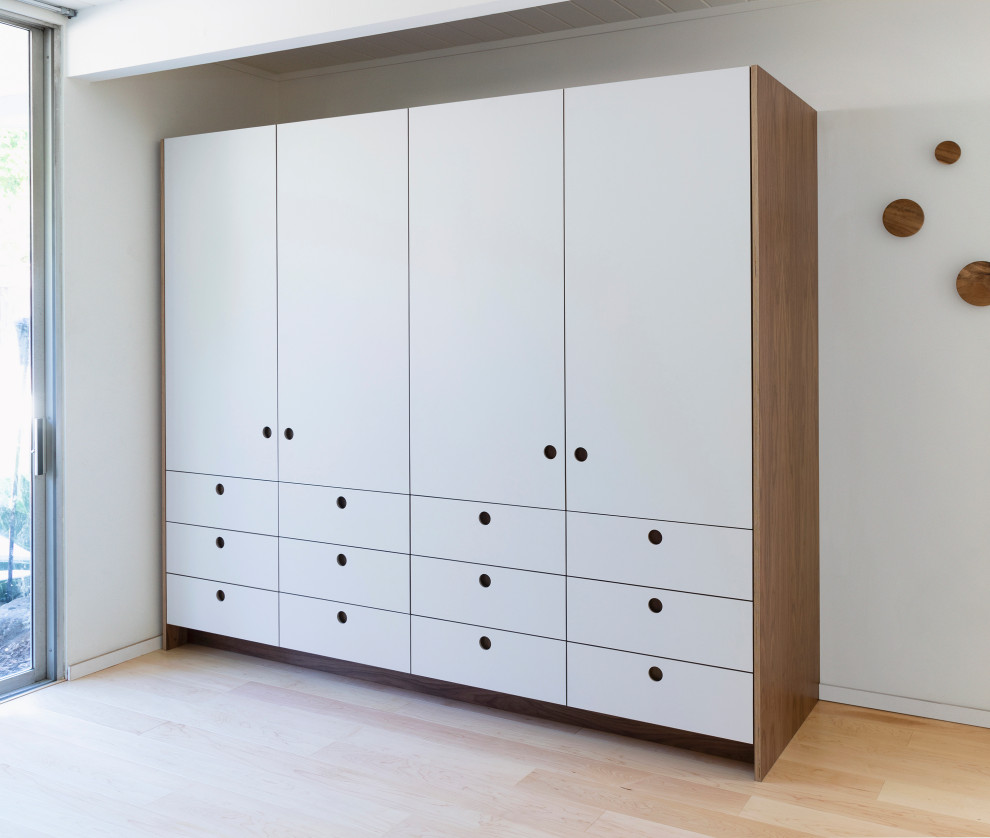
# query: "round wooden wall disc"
{"type": "Point", "coordinates": [947, 152]}
{"type": "Point", "coordinates": [973, 283]}
{"type": "Point", "coordinates": [903, 217]}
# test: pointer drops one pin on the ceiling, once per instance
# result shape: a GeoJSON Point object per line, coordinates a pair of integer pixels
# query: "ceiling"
{"type": "Point", "coordinates": [535, 21]}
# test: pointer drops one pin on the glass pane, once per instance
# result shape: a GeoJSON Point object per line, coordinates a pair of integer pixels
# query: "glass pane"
{"type": "Point", "coordinates": [15, 353]}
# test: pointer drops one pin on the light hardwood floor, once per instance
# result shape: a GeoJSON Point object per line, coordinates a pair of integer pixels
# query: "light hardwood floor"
{"type": "Point", "coordinates": [198, 742]}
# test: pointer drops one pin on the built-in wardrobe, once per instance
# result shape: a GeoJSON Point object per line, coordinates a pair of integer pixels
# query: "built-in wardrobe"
{"type": "Point", "coordinates": [512, 399]}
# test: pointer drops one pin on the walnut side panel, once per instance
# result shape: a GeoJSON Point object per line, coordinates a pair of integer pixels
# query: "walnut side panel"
{"type": "Point", "coordinates": [172, 636]}
{"type": "Point", "coordinates": [727, 748]}
{"type": "Point", "coordinates": [785, 415]}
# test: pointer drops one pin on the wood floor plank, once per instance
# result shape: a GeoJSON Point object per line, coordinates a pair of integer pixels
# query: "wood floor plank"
{"type": "Point", "coordinates": [969, 806]}
{"type": "Point", "coordinates": [649, 807]}
{"type": "Point", "coordinates": [615, 825]}
{"type": "Point", "coordinates": [816, 822]}
{"type": "Point", "coordinates": [203, 743]}
{"type": "Point", "coordinates": [79, 707]}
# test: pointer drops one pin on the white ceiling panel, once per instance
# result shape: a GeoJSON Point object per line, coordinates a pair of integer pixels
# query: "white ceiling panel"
{"type": "Point", "coordinates": [535, 21]}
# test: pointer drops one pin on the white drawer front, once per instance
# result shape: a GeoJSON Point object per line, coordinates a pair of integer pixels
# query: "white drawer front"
{"type": "Point", "coordinates": [689, 627]}
{"type": "Point", "coordinates": [229, 503]}
{"type": "Point", "coordinates": [246, 613]}
{"type": "Point", "coordinates": [702, 699]}
{"type": "Point", "coordinates": [344, 516]}
{"type": "Point", "coordinates": [514, 600]}
{"type": "Point", "coordinates": [239, 558]}
{"type": "Point", "coordinates": [515, 536]}
{"type": "Point", "coordinates": [689, 557]}
{"type": "Point", "coordinates": [365, 635]}
{"type": "Point", "coordinates": [344, 574]}
{"type": "Point", "coordinates": [533, 667]}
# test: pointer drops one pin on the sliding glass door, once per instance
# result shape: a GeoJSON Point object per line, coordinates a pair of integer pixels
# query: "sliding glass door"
{"type": "Point", "coordinates": [24, 628]}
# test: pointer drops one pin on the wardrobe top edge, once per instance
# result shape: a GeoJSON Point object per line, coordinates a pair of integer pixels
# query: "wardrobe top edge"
{"type": "Point", "coordinates": [268, 126]}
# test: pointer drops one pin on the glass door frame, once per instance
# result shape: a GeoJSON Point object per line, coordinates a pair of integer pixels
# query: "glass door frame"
{"type": "Point", "coordinates": [45, 378]}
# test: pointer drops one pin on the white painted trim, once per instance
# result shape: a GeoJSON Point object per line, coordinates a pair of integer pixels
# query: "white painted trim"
{"type": "Point", "coordinates": [31, 14]}
{"type": "Point", "coordinates": [88, 667]}
{"type": "Point", "coordinates": [523, 40]}
{"type": "Point", "coordinates": [907, 706]}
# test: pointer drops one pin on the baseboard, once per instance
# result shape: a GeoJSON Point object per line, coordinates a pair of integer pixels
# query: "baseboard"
{"type": "Point", "coordinates": [88, 667]}
{"type": "Point", "coordinates": [907, 706]}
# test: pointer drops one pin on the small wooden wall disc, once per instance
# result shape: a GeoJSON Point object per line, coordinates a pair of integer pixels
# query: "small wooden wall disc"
{"type": "Point", "coordinates": [947, 152]}
{"type": "Point", "coordinates": [903, 217]}
{"type": "Point", "coordinates": [973, 283]}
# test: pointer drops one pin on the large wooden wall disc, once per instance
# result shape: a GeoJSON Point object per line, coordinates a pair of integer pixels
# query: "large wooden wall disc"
{"type": "Point", "coordinates": [903, 217]}
{"type": "Point", "coordinates": [947, 152]}
{"type": "Point", "coordinates": [973, 283]}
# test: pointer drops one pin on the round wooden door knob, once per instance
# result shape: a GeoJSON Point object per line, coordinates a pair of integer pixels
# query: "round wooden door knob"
{"type": "Point", "coordinates": [341, 617]}
{"type": "Point", "coordinates": [341, 559]}
{"type": "Point", "coordinates": [973, 283]}
{"type": "Point", "coordinates": [485, 518]}
{"type": "Point", "coordinates": [656, 673]}
{"type": "Point", "coordinates": [220, 541]}
{"type": "Point", "coordinates": [903, 217]}
{"type": "Point", "coordinates": [485, 643]}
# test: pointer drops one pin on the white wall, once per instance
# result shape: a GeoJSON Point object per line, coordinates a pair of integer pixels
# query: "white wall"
{"type": "Point", "coordinates": [140, 36]}
{"type": "Point", "coordinates": [112, 401]}
{"type": "Point", "coordinates": [905, 390]}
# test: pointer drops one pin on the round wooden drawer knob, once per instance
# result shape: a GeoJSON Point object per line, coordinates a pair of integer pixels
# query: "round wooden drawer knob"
{"type": "Point", "coordinates": [341, 502]}
{"type": "Point", "coordinates": [219, 488]}
{"type": "Point", "coordinates": [655, 536]}
{"type": "Point", "coordinates": [341, 559]}
{"type": "Point", "coordinates": [485, 518]}
{"type": "Point", "coordinates": [485, 643]}
{"type": "Point", "coordinates": [485, 580]}
{"type": "Point", "coordinates": [221, 596]}
{"type": "Point", "coordinates": [220, 542]}
{"type": "Point", "coordinates": [341, 617]}
{"type": "Point", "coordinates": [655, 605]}
{"type": "Point", "coordinates": [549, 452]}
{"type": "Point", "coordinates": [266, 432]}
{"type": "Point", "coordinates": [580, 454]}
{"type": "Point", "coordinates": [656, 673]}
{"type": "Point", "coordinates": [288, 433]}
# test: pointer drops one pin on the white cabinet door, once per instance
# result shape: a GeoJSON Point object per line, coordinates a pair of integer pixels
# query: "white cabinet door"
{"type": "Point", "coordinates": [497, 597]}
{"type": "Point", "coordinates": [661, 554]}
{"type": "Point", "coordinates": [343, 342]}
{"type": "Point", "coordinates": [376, 520]}
{"type": "Point", "coordinates": [344, 574]}
{"type": "Point", "coordinates": [703, 699]}
{"type": "Point", "coordinates": [220, 298]}
{"type": "Point", "coordinates": [658, 298]}
{"type": "Point", "coordinates": [488, 533]}
{"type": "Point", "coordinates": [345, 632]}
{"type": "Point", "coordinates": [486, 300]}
{"type": "Point", "coordinates": [701, 629]}
{"type": "Point", "coordinates": [502, 661]}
